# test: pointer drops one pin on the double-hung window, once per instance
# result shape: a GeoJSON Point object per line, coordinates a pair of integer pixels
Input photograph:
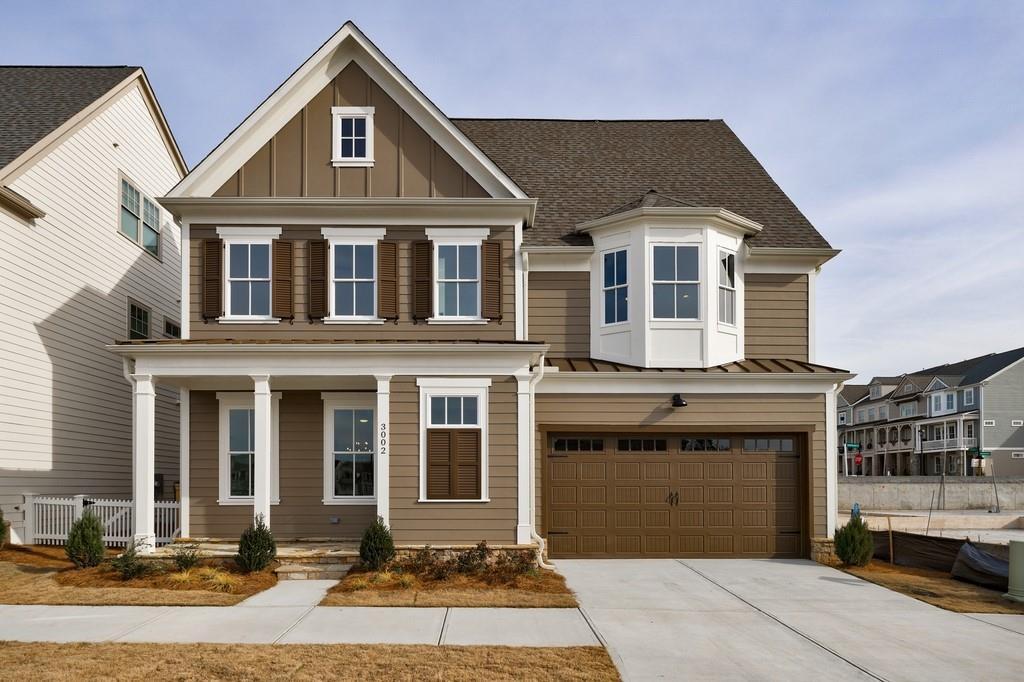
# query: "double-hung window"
{"type": "Point", "coordinates": [969, 397]}
{"type": "Point", "coordinates": [138, 321]}
{"type": "Point", "coordinates": [353, 280]}
{"type": "Point", "coordinates": [349, 448]}
{"type": "Point", "coordinates": [238, 448]}
{"type": "Point", "coordinates": [727, 287]}
{"type": "Point", "coordinates": [936, 403]}
{"type": "Point", "coordinates": [951, 401]}
{"type": "Point", "coordinates": [616, 286]}
{"type": "Point", "coordinates": [453, 439]}
{"type": "Point", "coordinates": [140, 218]}
{"type": "Point", "coordinates": [353, 136]}
{"type": "Point", "coordinates": [676, 285]}
{"type": "Point", "coordinates": [458, 280]}
{"type": "Point", "coordinates": [248, 279]}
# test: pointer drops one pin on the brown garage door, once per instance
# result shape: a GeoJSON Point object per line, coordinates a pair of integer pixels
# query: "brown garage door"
{"type": "Point", "coordinates": [626, 495]}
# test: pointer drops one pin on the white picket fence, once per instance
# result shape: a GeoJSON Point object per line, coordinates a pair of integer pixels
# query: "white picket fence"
{"type": "Point", "coordinates": [48, 519]}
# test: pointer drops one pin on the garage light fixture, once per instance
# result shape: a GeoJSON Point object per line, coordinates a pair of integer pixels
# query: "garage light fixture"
{"type": "Point", "coordinates": [677, 401]}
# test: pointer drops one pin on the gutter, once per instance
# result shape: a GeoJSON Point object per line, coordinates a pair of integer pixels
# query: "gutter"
{"type": "Point", "coordinates": [130, 349]}
{"type": "Point", "coordinates": [541, 543]}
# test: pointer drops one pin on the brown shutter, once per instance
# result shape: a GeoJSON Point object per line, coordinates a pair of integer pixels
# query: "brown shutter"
{"type": "Point", "coordinates": [439, 466]}
{"type": "Point", "coordinates": [387, 280]}
{"type": "Point", "coordinates": [466, 464]}
{"type": "Point", "coordinates": [284, 292]}
{"type": "Point", "coordinates": [422, 280]}
{"type": "Point", "coordinates": [490, 279]}
{"type": "Point", "coordinates": [213, 299]}
{"type": "Point", "coordinates": [317, 268]}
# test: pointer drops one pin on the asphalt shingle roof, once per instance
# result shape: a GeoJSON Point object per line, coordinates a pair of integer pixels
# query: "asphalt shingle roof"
{"type": "Point", "coordinates": [36, 100]}
{"type": "Point", "coordinates": [582, 170]}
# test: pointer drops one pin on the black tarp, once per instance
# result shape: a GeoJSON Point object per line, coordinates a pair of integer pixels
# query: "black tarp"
{"type": "Point", "coordinates": [976, 566]}
{"type": "Point", "coordinates": [918, 551]}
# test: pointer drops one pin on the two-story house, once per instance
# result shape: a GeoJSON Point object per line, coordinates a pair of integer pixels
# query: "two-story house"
{"type": "Point", "coordinates": [594, 333]}
{"type": "Point", "coordinates": [87, 256]}
{"type": "Point", "coordinates": [960, 419]}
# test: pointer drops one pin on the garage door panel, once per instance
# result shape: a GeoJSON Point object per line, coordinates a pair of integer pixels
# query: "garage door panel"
{"type": "Point", "coordinates": [720, 544]}
{"type": "Point", "coordinates": [563, 494]}
{"type": "Point", "coordinates": [754, 494]}
{"type": "Point", "coordinates": [593, 495]}
{"type": "Point", "coordinates": [627, 495]}
{"type": "Point", "coordinates": [655, 494]}
{"type": "Point", "coordinates": [720, 518]}
{"type": "Point", "coordinates": [561, 545]}
{"type": "Point", "coordinates": [591, 519]}
{"type": "Point", "coordinates": [755, 471]}
{"type": "Point", "coordinates": [656, 471]}
{"type": "Point", "coordinates": [657, 518]}
{"type": "Point", "coordinates": [627, 471]}
{"type": "Point", "coordinates": [627, 519]}
{"type": "Point", "coordinates": [691, 518]}
{"type": "Point", "coordinates": [754, 518]}
{"type": "Point", "coordinates": [719, 494]}
{"type": "Point", "coordinates": [719, 471]}
{"type": "Point", "coordinates": [691, 495]}
{"type": "Point", "coordinates": [593, 544]}
{"type": "Point", "coordinates": [627, 544]}
{"type": "Point", "coordinates": [593, 471]}
{"type": "Point", "coordinates": [691, 471]}
{"type": "Point", "coordinates": [564, 471]}
{"type": "Point", "coordinates": [564, 519]}
{"type": "Point", "coordinates": [657, 544]}
{"type": "Point", "coordinates": [754, 544]}
{"type": "Point", "coordinates": [691, 544]}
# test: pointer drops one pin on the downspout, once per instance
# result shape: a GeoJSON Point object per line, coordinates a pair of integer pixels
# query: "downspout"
{"type": "Point", "coordinates": [541, 545]}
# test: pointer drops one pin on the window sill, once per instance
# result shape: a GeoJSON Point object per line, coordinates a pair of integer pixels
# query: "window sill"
{"type": "Point", "coordinates": [241, 502]}
{"type": "Point", "coordinates": [350, 502]}
{"type": "Point", "coordinates": [248, 320]}
{"type": "Point", "coordinates": [615, 325]}
{"type": "Point", "coordinates": [457, 320]}
{"type": "Point", "coordinates": [485, 500]}
{"type": "Point", "coordinates": [352, 163]}
{"type": "Point", "coordinates": [353, 320]}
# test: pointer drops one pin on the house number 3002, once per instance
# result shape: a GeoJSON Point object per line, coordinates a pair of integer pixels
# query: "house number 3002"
{"type": "Point", "coordinates": [383, 439]}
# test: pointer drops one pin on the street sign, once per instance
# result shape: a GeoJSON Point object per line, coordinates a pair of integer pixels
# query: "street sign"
{"type": "Point", "coordinates": [972, 451]}
{"type": "Point", "coordinates": [986, 454]}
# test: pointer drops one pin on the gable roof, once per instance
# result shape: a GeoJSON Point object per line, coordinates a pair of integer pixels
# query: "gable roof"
{"type": "Point", "coordinates": [974, 370]}
{"type": "Point", "coordinates": [853, 393]}
{"type": "Point", "coordinates": [347, 45]}
{"type": "Point", "coordinates": [580, 170]}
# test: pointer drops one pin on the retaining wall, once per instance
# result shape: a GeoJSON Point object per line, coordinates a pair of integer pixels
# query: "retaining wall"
{"type": "Point", "coordinates": [915, 492]}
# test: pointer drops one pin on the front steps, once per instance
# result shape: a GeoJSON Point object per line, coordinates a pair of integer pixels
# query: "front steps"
{"type": "Point", "coordinates": [315, 568]}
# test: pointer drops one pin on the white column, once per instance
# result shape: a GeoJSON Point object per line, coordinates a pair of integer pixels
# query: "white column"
{"type": "Point", "coordinates": [262, 418]}
{"type": "Point", "coordinates": [144, 461]}
{"type": "Point", "coordinates": [382, 480]}
{"type": "Point", "coordinates": [524, 434]}
{"type": "Point", "coordinates": [183, 461]}
{"type": "Point", "coordinates": [831, 466]}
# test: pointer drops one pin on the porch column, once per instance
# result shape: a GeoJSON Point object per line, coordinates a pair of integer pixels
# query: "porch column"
{"type": "Point", "coordinates": [382, 483]}
{"type": "Point", "coordinates": [523, 434]}
{"type": "Point", "coordinates": [261, 447]}
{"type": "Point", "coordinates": [144, 461]}
{"type": "Point", "coordinates": [183, 462]}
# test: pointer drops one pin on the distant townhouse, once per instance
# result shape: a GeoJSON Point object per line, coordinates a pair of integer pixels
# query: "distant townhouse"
{"type": "Point", "coordinates": [960, 419]}
{"type": "Point", "coordinates": [87, 256]}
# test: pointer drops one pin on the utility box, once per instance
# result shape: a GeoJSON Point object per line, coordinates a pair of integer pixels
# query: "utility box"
{"type": "Point", "coordinates": [1016, 587]}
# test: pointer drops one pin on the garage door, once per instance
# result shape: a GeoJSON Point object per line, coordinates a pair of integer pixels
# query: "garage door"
{"type": "Point", "coordinates": [721, 495]}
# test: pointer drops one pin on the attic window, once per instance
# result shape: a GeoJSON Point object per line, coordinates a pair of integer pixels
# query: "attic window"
{"type": "Point", "coordinates": [352, 136]}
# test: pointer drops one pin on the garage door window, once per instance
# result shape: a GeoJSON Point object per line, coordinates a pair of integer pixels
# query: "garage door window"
{"type": "Point", "coordinates": [643, 445]}
{"type": "Point", "coordinates": [768, 444]}
{"type": "Point", "coordinates": [705, 445]}
{"type": "Point", "coordinates": [578, 445]}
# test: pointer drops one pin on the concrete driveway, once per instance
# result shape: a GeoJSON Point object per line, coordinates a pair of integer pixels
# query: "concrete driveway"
{"type": "Point", "coordinates": [780, 620]}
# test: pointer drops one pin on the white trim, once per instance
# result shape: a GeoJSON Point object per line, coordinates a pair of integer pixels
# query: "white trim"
{"type": "Point", "coordinates": [656, 322]}
{"type": "Point", "coordinates": [257, 233]}
{"type": "Point", "coordinates": [144, 460]}
{"type": "Point", "coordinates": [383, 437]}
{"type": "Point", "coordinates": [522, 304]}
{"type": "Point", "coordinates": [228, 400]}
{"type": "Point", "coordinates": [459, 237]}
{"type": "Point", "coordinates": [476, 388]}
{"type": "Point", "coordinates": [247, 236]}
{"type": "Point", "coordinates": [184, 483]}
{"type": "Point", "coordinates": [718, 217]}
{"type": "Point", "coordinates": [988, 423]}
{"type": "Point", "coordinates": [339, 161]}
{"type": "Point", "coordinates": [685, 382]}
{"type": "Point", "coordinates": [831, 464]}
{"type": "Point", "coordinates": [457, 320]}
{"type": "Point", "coordinates": [353, 235]}
{"type": "Point", "coordinates": [248, 320]}
{"type": "Point", "coordinates": [812, 332]}
{"type": "Point", "coordinates": [354, 401]}
{"type": "Point", "coordinates": [602, 314]}
{"type": "Point", "coordinates": [1017, 422]}
{"type": "Point", "coordinates": [185, 275]}
{"type": "Point", "coordinates": [524, 435]}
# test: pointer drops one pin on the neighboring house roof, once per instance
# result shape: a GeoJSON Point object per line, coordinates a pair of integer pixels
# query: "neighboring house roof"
{"type": "Point", "coordinates": [580, 170]}
{"type": "Point", "coordinates": [974, 370]}
{"type": "Point", "coordinates": [887, 381]}
{"type": "Point", "coordinates": [750, 366]}
{"type": "Point", "coordinates": [853, 393]}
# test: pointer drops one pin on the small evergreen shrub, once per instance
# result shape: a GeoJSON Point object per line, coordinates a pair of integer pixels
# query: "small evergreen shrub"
{"type": "Point", "coordinates": [854, 544]}
{"type": "Point", "coordinates": [511, 564]}
{"type": "Point", "coordinates": [128, 564]}
{"type": "Point", "coordinates": [85, 541]}
{"type": "Point", "coordinates": [3, 530]}
{"type": "Point", "coordinates": [473, 561]}
{"type": "Point", "coordinates": [256, 547]}
{"type": "Point", "coordinates": [185, 557]}
{"type": "Point", "coordinates": [377, 547]}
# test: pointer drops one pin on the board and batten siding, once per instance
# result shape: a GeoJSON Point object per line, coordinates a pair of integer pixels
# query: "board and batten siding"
{"type": "Point", "coordinates": [448, 523]}
{"type": "Point", "coordinates": [296, 161]}
{"type": "Point", "coordinates": [302, 328]}
{"type": "Point", "coordinates": [776, 316]}
{"type": "Point", "coordinates": [65, 406]}
{"type": "Point", "coordinates": [559, 312]}
{"type": "Point", "coordinates": [716, 412]}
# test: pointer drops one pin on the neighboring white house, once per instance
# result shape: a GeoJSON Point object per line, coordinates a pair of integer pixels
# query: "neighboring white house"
{"type": "Point", "coordinates": [87, 256]}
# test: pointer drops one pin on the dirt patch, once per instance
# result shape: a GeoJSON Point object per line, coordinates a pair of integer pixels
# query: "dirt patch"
{"type": "Point", "coordinates": [74, 662]}
{"type": "Point", "coordinates": [936, 588]}
{"type": "Point", "coordinates": [369, 588]}
{"type": "Point", "coordinates": [43, 556]}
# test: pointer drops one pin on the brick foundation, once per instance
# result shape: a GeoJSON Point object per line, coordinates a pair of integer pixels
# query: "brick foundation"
{"type": "Point", "coordinates": [823, 550]}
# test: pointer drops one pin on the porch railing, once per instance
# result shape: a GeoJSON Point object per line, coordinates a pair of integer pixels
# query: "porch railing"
{"type": "Point", "coordinates": [48, 519]}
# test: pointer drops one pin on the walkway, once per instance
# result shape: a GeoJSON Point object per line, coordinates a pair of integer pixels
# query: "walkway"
{"type": "Point", "coordinates": [736, 619]}
{"type": "Point", "coordinates": [287, 614]}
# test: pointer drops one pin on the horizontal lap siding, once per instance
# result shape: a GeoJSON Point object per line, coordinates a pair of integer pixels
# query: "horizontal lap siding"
{"type": "Point", "coordinates": [453, 523]}
{"type": "Point", "coordinates": [302, 328]}
{"type": "Point", "coordinates": [301, 512]}
{"type": "Point", "coordinates": [559, 312]}
{"type": "Point", "coordinates": [653, 411]}
{"type": "Point", "coordinates": [776, 316]}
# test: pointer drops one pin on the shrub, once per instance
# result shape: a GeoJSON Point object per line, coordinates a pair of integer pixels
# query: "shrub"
{"type": "Point", "coordinates": [473, 561]}
{"type": "Point", "coordinates": [3, 530]}
{"type": "Point", "coordinates": [377, 547]}
{"type": "Point", "coordinates": [509, 565]}
{"type": "Point", "coordinates": [417, 563]}
{"type": "Point", "coordinates": [406, 581]}
{"type": "Point", "coordinates": [85, 541]}
{"type": "Point", "coordinates": [186, 556]}
{"type": "Point", "coordinates": [128, 564]}
{"type": "Point", "coordinates": [218, 580]}
{"type": "Point", "coordinates": [854, 544]}
{"type": "Point", "coordinates": [256, 547]}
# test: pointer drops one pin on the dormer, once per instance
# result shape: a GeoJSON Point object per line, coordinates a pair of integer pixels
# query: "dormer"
{"type": "Point", "coordinates": [666, 283]}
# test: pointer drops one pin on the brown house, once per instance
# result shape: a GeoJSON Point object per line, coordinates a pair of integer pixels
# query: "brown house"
{"type": "Point", "coordinates": [596, 335]}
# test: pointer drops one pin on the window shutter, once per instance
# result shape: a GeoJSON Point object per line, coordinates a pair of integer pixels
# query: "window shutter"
{"type": "Point", "coordinates": [490, 279]}
{"type": "Point", "coordinates": [387, 280]}
{"type": "Point", "coordinates": [439, 467]}
{"type": "Point", "coordinates": [213, 299]}
{"type": "Point", "coordinates": [282, 280]}
{"type": "Point", "coordinates": [422, 280]}
{"type": "Point", "coordinates": [466, 464]}
{"type": "Point", "coordinates": [317, 268]}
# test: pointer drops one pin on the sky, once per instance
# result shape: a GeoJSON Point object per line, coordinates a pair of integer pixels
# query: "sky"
{"type": "Point", "coordinates": [896, 127]}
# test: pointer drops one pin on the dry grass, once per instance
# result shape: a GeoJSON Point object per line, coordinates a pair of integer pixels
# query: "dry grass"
{"type": "Point", "coordinates": [936, 588]}
{"type": "Point", "coordinates": [43, 575]}
{"type": "Point", "coordinates": [151, 662]}
{"type": "Point", "coordinates": [545, 589]}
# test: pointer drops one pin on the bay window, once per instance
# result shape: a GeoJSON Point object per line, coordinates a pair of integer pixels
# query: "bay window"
{"type": "Point", "coordinates": [727, 287]}
{"type": "Point", "coordinates": [616, 286]}
{"type": "Point", "coordinates": [676, 282]}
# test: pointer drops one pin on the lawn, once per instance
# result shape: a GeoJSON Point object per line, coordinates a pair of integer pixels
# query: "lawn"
{"type": "Point", "coordinates": [43, 575]}
{"type": "Point", "coordinates": [936, 588]}
{"type": "Point", "coordinates": [73, 662]}
{"type": "Point", "coordinates": [540, 588]}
